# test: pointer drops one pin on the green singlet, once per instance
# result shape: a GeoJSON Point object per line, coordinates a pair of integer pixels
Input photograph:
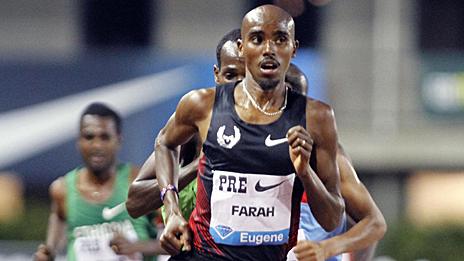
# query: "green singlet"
{"type": "Point", "coordinates": [89, 233]}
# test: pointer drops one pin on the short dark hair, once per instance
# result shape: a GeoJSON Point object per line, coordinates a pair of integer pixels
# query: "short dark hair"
{"type": "Point", "coordinates": [233, 36]}
{"type": "Point", "coordinates": [103, 110]}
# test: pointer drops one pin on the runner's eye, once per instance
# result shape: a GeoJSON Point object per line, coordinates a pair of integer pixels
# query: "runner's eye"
{"type": "Point", "coordinates": [105, 137]}
{"type": "Point", "coordinates": [230, 76]}
{"type": "Point", "coordinates": [256, 39]}
{"type": "Point", "coordinates": [281, 40]}
{"type": "Point", "coordinates": [88, 136]}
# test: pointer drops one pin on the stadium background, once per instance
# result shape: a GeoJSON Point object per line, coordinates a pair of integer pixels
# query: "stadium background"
{"type": "Point", "coordinates": [392, 70]}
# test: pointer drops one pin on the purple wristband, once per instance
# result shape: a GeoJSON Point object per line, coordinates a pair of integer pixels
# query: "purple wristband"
{"type": "Point", "coordinates": [166, 189]}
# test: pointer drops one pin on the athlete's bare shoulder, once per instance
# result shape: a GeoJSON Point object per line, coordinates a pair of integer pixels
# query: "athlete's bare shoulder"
{"type": "Point", "coordinates": [57, 191]}
{"type": "Point", "coordinates": [196, 104]}
{"type": "Point", "coordinates": [318, 111]}
{"type": "Point", "coordinates": [201, 94]}
{"type": "Point", "coordinates": [320, 120]}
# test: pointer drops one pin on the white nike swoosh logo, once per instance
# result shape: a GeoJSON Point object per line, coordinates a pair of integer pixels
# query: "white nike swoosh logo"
{"type": "Point", "coordinates": [110, 213]}
{"type": "Point", "coordinates": [31, 130]}
{"type": "Point", "coordinates": [270, 143]}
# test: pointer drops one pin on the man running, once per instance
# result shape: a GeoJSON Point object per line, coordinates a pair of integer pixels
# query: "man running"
{"type": "Point", "coordinates": [85, 201]}
{"type": "Point", "coordinates": [258, 139]}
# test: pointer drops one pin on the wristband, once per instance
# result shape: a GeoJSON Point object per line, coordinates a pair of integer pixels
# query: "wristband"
{"type": "Point", "coordinates": [166, 189]}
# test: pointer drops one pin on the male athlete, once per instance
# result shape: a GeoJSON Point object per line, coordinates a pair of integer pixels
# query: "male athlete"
{"type": "Point", "coordinates": [83, 199]}
{"type": "Point", "coordinates": [369, 225]}
{"type": "Point", "coordinates": [366, 224]}
{"type": "Point", "coordinates": [258, 138]}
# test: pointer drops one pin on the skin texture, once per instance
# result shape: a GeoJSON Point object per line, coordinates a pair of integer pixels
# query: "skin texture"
{"type": "Point", "coordinates": [98, 144]}
{"type": "Point", "coordinates": [268, 46]}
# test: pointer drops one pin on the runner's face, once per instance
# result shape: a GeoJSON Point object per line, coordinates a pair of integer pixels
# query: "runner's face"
{"type": "Point", "coordinates": [98, 142]}
{"type": "Point", "coordinates": [268, 46]}
{"type": "Point", "coordinates": [232, 66]}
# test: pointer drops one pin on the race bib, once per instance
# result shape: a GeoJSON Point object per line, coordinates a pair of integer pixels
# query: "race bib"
{"type": "Point", "coordinates": [93, 242]}
{"type": "Point", "coordinates": [87, 249]}
{"type": "Point", "coordinates": [250, 209]}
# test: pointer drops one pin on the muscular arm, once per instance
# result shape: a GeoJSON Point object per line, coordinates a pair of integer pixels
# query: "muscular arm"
{"type": "Point", "coordinates": [56, 221]}
{"type": "Point", "coordinates": [323, 187]}
{"type": "Point", "coordinates": [185, 122]}
{"type": "Point", "coordinates": [144, 192]}
{"type": "Point", "coordinates": [192, 116]}
{"type": "Point", "coordinates": [370, 224]}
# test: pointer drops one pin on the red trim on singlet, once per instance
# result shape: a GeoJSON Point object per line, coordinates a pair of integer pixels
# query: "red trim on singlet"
{"type": "Point", "coordinates": [304, 199]}
{"type": "Point", "coordinates": [294, 224]}
{"type": "Point", "coordinates": [201, 216]}
{"type": "Point", "coordinates": [201, 165]}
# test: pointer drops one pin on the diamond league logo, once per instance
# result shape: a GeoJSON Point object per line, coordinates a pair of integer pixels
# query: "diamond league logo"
{"type": "Point", "coordinates": [223, 231]}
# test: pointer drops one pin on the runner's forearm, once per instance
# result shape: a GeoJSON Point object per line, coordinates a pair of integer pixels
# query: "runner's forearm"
{"type": "Point", "coordinates": [327, 206]}
{"type": "Point", "coordinates": [144, 197]}
{"type": "Point", "coordinates": [149, 247]}
{"type": "Point", "coordinates": [144, 194]}
{"type": "Point", "coordinates": [55, 232]}
{"type": "Point", "coordinates": [358, 237]}
{"type": "Point", "coordinates": [166, 169]}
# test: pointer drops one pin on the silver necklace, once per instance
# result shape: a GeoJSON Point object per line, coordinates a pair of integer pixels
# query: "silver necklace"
{"type": "Point", "coordinates": [256, 105]}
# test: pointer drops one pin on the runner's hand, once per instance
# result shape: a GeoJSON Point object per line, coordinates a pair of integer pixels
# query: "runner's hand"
{"type": "Point", "coordinates": [176, 235]}
{"type": "Point", "coordinates": [43, 253]}
{"type": "Point", "coordinates": [121, 245]}
{"type": "Point", "coordinates": [306, 250]}
{"type": "Point", "coordinates": [300, 145]}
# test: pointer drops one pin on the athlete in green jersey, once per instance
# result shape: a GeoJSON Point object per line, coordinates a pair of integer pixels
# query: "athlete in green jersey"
{"type": "Point", "coordinates": [85, 201]}
{"type": "Point", "coordinates": [90, 229]}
